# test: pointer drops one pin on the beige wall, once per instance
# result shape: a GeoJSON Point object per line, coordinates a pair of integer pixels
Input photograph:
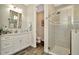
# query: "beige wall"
{"type": "Point", "coordinates": [39, 27]}
{"type": "Point", "coordinates": [31, 17]}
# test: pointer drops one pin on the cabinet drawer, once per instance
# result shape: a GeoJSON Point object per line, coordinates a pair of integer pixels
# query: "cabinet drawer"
{"type": "Point", "coordinates": [5, 37]}
{"type": "Point", "coordinates": [6, 51]}
{"type": "Point", "coordinates": [6, 44]}
{"type": "Point", "coordinates": [6, 41]}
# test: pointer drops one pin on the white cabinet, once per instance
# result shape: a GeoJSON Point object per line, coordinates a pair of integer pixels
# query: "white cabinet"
{"type": "Point", "coordinates": [24, 41]}
{"type": "Point", "coordinates": [16, 43]}
{"type": "Point", "coordinates": [6, 51]}
{"type": "Point", "coordinates": [30, 37]}
{"type": "Point", "coordinates": [6, 44]}
{"type": "Point", "coordinates": [11, 44]}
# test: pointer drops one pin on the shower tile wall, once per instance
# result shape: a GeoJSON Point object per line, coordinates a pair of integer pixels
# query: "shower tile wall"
{"type": "Point", "coordinates": [62, 37]}
{"type": "Point", "coordinates": [59, 34]}
{"type": "Point", "coordinates": [63, 31]}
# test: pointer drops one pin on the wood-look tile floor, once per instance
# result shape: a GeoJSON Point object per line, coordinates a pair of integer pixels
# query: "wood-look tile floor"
{"type": "Point", "coordinates": [39, 50]}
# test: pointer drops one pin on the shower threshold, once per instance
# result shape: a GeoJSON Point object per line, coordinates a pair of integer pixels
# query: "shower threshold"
{"type": "Point", "coordinates": [59, 50]}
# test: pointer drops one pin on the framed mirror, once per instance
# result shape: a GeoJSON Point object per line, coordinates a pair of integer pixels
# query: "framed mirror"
{"type": "Point", "coordinates": [15, 20]}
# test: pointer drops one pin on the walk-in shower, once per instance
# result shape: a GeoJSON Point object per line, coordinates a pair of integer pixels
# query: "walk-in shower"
{"type": "Point", "coordinates": [59, 33]}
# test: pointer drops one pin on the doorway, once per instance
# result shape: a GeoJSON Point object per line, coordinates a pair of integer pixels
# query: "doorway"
{"type": "Point", "coordinates": [40, 25]}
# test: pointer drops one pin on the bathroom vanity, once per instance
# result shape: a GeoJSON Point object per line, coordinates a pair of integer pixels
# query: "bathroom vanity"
{"type": "Point", "coordinates": [12, 43]}
{"type": "Point", "coordinates": [15, 33]}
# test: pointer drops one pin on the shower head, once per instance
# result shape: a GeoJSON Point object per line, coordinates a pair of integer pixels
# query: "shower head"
{"type": "Point", "coordinates": [55, 13]}
{"type": "Point", "coordinates": [58, 13]}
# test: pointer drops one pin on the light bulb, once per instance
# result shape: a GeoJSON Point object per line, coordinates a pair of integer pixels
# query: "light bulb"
{"type": "Point", "coordinates": [11, 6]}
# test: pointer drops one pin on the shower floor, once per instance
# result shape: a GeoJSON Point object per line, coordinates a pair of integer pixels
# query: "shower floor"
{"type": "Point", "coordinates": [60, 50]}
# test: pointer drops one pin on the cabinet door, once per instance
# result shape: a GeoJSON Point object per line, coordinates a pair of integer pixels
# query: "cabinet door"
{"type": "Point", "coordinates": [6, 50]}
{"type": "Point", "coordinates": [6, 45]}
{"type": "Point", "coordinates": [24, 40]}
{"type": "Point", "coordinates": [16, 43]}
{"type": "Point", "coordinates": [30, 37]}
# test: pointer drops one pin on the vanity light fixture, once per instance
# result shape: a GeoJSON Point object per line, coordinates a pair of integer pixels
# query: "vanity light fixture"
{"type": "Point", "coordinates": [18, 10]}
{"type": "Point", "coordinates": [11, 7]}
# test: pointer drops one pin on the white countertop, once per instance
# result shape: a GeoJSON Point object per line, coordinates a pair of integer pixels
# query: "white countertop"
{"type": "Point", "coordinates": [12, 34]}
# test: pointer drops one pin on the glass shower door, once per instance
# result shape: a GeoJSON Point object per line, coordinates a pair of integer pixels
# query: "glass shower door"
{"type": "Point", "coordinates": [59, 36]}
